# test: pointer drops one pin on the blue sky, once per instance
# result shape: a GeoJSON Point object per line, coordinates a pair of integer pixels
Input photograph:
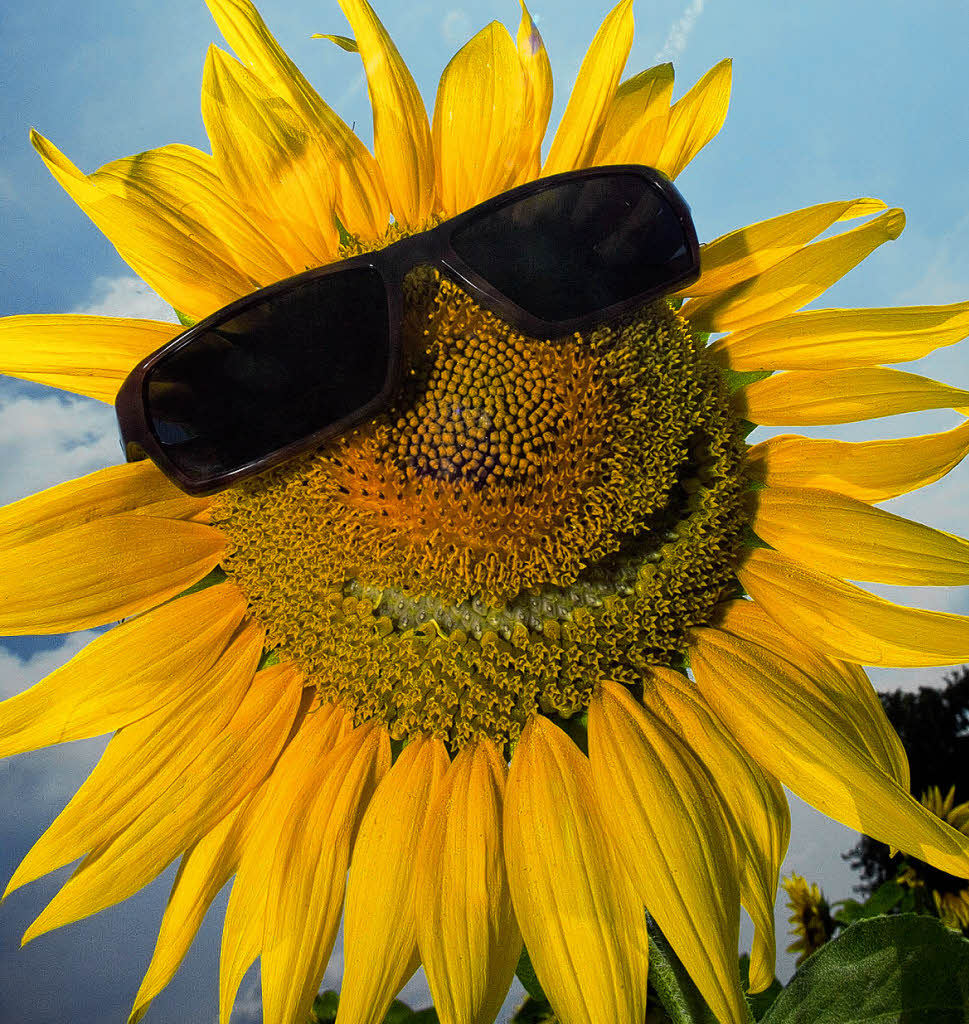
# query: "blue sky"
{"type": "Point", "coordinates": [831, 100]}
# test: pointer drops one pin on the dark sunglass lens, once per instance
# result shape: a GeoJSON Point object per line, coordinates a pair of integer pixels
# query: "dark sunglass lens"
{"type": "Point", "coordinates": [272, 375]}
{"type": "Point", "coordinates": [579, 246]}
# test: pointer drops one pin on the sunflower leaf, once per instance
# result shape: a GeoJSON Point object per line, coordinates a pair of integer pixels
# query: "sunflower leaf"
{"type": "Point", "coordinates": [533, 1011]}
{"type": "Point", "coordinates": [268, 659]}
{"type": "Point", "coordinates": [885, 898]}
{"type": "Point", "coordinates": [760, 1002]}
{"type": "Point", "coordinates": [213, 578]}
{"type": "Point", "coordinates": [905, 967]}
{"type": "Point", "coordinates": [737, 379]}
{"type": "Point", "coordinates": [184, 319]}
{"type": "Point", "coordinates": [325, 1007]}
{"type": "Point", "coordinates": [680, 997]}
{"type": "Point", "coordinates": [529, 979]}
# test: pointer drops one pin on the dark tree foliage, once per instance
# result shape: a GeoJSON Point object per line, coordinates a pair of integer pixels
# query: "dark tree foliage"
{"type": "Point", "coordinates": [934, 728]}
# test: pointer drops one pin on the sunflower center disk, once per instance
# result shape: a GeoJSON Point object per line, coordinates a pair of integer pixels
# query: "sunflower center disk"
{"type": "Point", "coordinates": [530, 517]}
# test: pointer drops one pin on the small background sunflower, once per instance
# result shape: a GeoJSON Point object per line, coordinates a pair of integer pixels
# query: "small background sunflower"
{"type": "Point", "coordinates": [813, 115]}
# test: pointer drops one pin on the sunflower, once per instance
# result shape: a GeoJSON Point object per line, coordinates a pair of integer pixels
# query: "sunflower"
{"type": "Point", "coordinates": [811, 920]}
{"type": "Point", "coordinates": [950, 895]}
{"type": "Point", "coordinates": [508, 676]}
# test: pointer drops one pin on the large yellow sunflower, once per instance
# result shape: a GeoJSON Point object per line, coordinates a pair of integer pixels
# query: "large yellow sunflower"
{"type": "Point", "coordinates": [950, 895]}
{"type": "Point", "coordinates": [521, 672]}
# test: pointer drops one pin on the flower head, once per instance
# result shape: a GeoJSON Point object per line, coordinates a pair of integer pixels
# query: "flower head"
{"type": "Point", "coordinates": [949, 894]}
{"type": "Point", "coordinates": [811, 920]}
{"type": "Point", "coordinates": [534, 648]}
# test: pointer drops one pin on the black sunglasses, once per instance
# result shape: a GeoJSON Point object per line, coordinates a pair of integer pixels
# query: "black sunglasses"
{"type": "Point", "coordinates": [279, 371]}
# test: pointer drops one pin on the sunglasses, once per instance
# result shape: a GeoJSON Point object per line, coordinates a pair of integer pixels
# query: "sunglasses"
{"type": "Point", "coordinates": [282, 370]}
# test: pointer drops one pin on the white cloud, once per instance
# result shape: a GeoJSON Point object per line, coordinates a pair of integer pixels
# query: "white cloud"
{"type": "Point", "coordinates": [45, 780]}
{"type": "Point", "coordinates": [678, 35]}
{"type": "Point", "coordinates": [943, 279]}
{"type": "Point", "coordinates": [54, 437]}
{"type": "Point", "coordinates": [456, 27]}
{"type": "Point", "coordinates": [18, 673]}
{"type": "Point", "coordinates": [125, 295]}
{"type": "Point", "coordinates": [47, 440]}
{"type": "Point", "coordinates": [8, 191]}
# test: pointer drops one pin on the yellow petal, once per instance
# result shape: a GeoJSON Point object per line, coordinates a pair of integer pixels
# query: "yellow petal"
{"type": "Point", "coordinates": [101, 571]}
{"type": "Point", "coordinates": [143, 761]}
{"type": "Point", "coordinates": [401, 135]}
{"type": "Point", "coordinates": [308, 875]}
{"type": "Point", "coordinates": [538, 73]}
{"type": "Point", "coordinates": [173, 223]}
{"type": "Point", "coordinates": [204, 870]}
{"type": "Point", "coordinates": [479, 119]}
{"type": "Point", "coordinates": [696, 118]}
{"type": "Point", "coordinates": [850, 538]}
{"type": "Point", "coordinates": [826, 339]}
{"type": "Point", "coordinates": [740, 255]}
{"type": "Point", "coordinates": [672, 830]}
{"type": "Point", "coordinates": [581, 919]}
{"type": "Point", "coordinates": [271, 161]}
{"type": "Point", "coordinates": [759, 814]}
{"type": "Point", "coordinates": [361, 199]}
{"type": "Point", "coordinates": [126, 674]}
{"type": "Point", "coordinates": [868, 470]}
{"type": "Point", "coordinates": [838, 684]}
{"type": "Point", "coordinates": [316, 733]}
{"type": "Point", "coordinates": [88, 355]}
{"type": "Point", "coordinates": [807, 746]}
{"type": "Point", "coordinates": [793, 282]}
{"type": "Point", "coordinates": [635, 123]}
{"type": "Point", "coordinates": [809, 398]}
{"type": "Point", "coordinates": [135, 487]}
{"type": "Point", "coordinates": [578, 132]}
{"type": "Point", "coordinates": [469, 941]}
{"type": "Point", "coordinates": [220, 778]}
{"type": "Point", "coordinates": [379, 930]}
{"type": "Point", "coordinates": [847, 622]}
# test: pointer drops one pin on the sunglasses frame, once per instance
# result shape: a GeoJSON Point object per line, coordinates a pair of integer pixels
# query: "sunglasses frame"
{"type": "Point", "coordinates": [426, 248]}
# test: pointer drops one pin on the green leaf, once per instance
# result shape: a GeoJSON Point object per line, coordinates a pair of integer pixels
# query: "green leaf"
{"type": "Point", "coordinates": [533, 1011]}
{"type": "Point", "coordinates": [737, 379]}
{"type": "Point", "coordinates": [577, 728]}
{"type": "Point", "coordinates": [428, 1016]}
{"type": "Point", "coordinates": [217, 575]}
{"type": "Point", "coordinates": [267, 659]}
{"type": "Point", "coordinates": [849, 911]}
{"type": "Point", "coordinates": [184, 319]}
{"type": "Point", "coordinates": [759, 1002]}
{"type": "Point", "coordinates": [903, 969]}
{"type": "Point", "coordinates": [325, 1007]}
{"type": "Point", "coordinates": [399, 1013]}
{"type": "Point", "coordinates": [528, 978]}
{"type": "Point", "coordinates": [885, 898]}
{"type": "Point", "coordinates": [680, 997]}
{"type": "Point", "coordinates": [345, 237]}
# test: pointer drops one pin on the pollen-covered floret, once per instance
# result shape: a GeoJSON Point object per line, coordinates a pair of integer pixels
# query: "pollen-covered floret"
{"type": "Point", "coordinates": [529, 516]}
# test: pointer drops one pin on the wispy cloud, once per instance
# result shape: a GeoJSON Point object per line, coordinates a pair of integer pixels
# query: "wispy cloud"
{"type": "Point", "coordinates": [49, 779]}
{"type": "Point", "coordinates": [456, 27]}
{"type": "Point", "coordinates": [944, 277]}
{"type": "Point", "coordinates": [680, 32]}
{"type": "Point", "coordinates": [125, 295]}
{"type": "Point", "coordinates": [49, 439]}
{"type": "Point", "coordinates": [8, 191]}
